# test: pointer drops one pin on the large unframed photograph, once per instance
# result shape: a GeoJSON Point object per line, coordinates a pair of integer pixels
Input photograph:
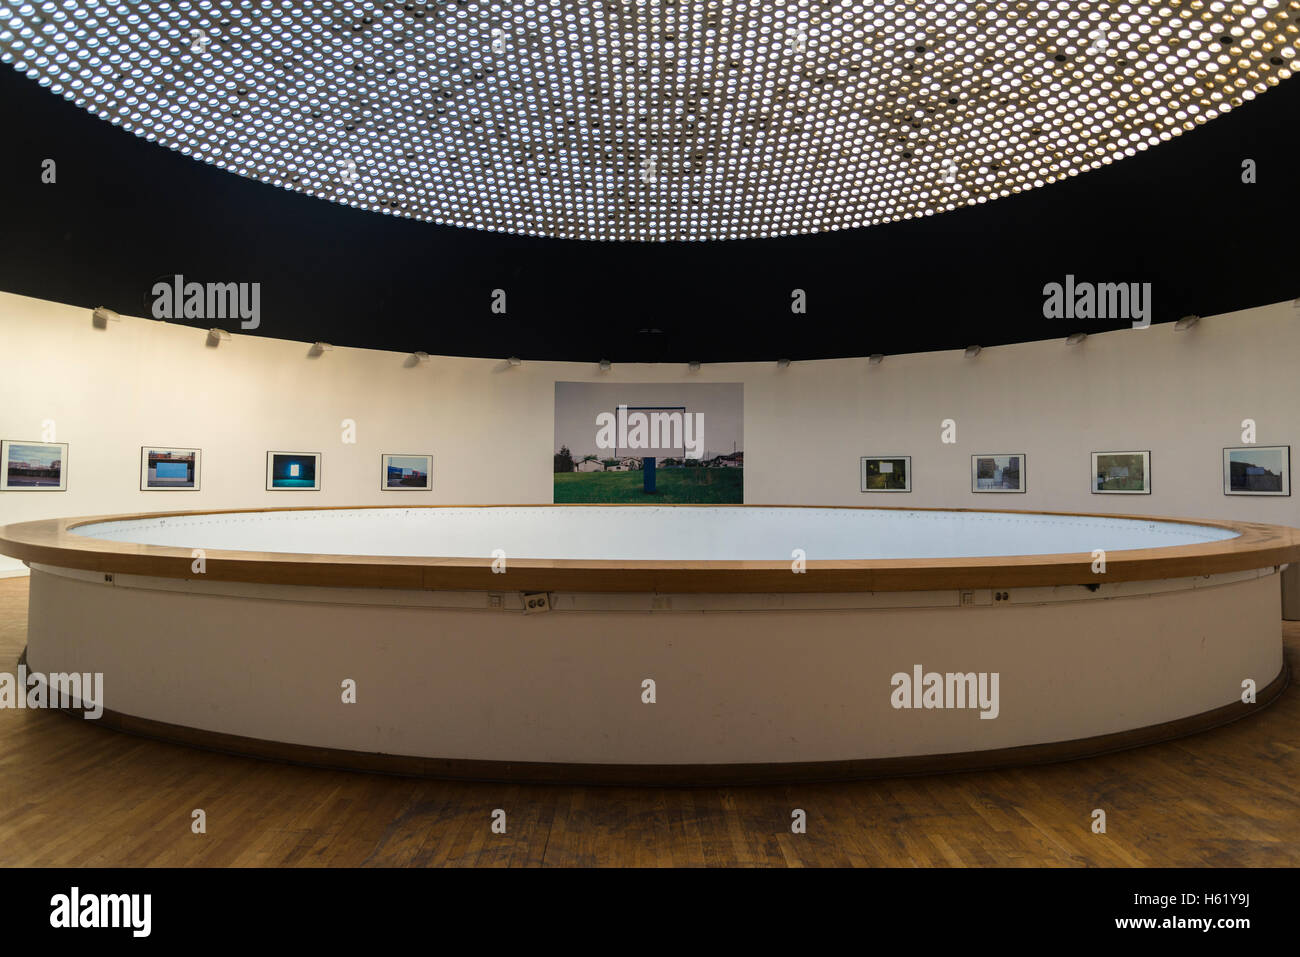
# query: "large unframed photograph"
{"type": "Point", "coordinates": [650, 443]}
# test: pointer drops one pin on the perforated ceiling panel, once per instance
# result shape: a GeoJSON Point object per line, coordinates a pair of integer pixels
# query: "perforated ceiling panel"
{"type": "Point", "coordinates": [655, 119]}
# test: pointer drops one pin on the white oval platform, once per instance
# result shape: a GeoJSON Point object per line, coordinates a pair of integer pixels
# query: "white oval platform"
{"type": "Point", "coordinates": [767, 679]}
{"type": "Point", "coordinates": [649, 533]}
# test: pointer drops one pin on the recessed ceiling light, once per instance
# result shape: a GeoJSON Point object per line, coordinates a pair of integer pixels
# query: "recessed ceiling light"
{"type": "Point", "coordinates": [648, 123]}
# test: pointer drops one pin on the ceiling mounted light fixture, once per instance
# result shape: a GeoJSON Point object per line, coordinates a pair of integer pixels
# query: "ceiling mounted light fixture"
{"type": "Point", "coordinates": [655, 122]}
{"type": "Point", "coordinates": [420, 356]}
{"type": "Point", "coordinates": [1074, 338]}
{"type": "Point", "coordinates": [217, 336]}
{"type": "Point", "coordinates": [1185, 323]}
{"type": "Point", "coordinates": [876, 358]}
{"type": "Point", "coordinates": [973, 351]}
{"type": "Point", "coordinates": [693, 366]}
{"type": "Point", "coordinates": [605, 365]}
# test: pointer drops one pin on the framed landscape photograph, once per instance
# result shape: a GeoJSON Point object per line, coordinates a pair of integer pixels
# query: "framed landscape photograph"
{"type": "Point", "coordinates": [1121, 473]}
{"type": "Point", "coordinates": [164, 469]}
{"type": "Point", "coordinates": [890, 473]}
{"type": "Point", "coordinates": [33, 466]}
{"type": "Point", "coordinates": [1257, 470]}
{"type": "Point", "coordinates": [293, 471]}
{"type": "Point", "coordinates": [412, 473]}
{"type": "Point", "coordinates": [997, 473]}
{"type": "Point", "coordinates": [649, 443]}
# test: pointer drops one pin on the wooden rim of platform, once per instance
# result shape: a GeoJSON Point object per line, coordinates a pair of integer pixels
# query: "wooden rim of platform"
{"type": "Point", "coordinates": [52, 542]}
{"type": "Point", "coordinates": [690, 775]}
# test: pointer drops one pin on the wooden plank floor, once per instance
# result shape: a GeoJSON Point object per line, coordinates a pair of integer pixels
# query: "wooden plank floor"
{"type": "Point", "coordinates": [73, 794]}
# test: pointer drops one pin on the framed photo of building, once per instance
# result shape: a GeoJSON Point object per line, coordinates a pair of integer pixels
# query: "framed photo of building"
{"type": "Point", "coordinates": [164, 469]}
{"type": "Point", "coordinates": [1257, 470]}
{"type": "Point", "coordinates": [33, 466]}
{"type": "Point", "coordinates": [410, 473]}
{"type": "Point", "coordinates": [1121, 473]}
{"type": "Point", "coordinates": [887, 473]}
{"type": "Point", "coordinates": [997, 473]}
{"type": "Point", "coordinates": [293, 471]}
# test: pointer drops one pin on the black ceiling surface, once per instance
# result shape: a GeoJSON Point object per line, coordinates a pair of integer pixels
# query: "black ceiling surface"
{"type": "Point", "coordinates": [124, 212]}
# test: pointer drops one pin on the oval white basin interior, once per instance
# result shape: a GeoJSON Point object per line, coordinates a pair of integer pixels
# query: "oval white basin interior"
{"type": "Point", "coordinates": [653, 533]}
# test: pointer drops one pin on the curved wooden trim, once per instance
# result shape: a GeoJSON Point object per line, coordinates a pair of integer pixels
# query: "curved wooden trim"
{"type": "Point", "coordinates": [689, 775]}
{"type": "Point", "coordinates": [50, 542]}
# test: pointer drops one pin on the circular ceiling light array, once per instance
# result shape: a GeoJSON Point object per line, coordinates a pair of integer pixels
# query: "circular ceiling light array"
{"type": "Point", "coordinates": [655, 120]}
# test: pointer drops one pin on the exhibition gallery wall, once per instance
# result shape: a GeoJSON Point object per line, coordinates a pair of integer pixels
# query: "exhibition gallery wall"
{"type": "Point", "coordinates": [109, 390]}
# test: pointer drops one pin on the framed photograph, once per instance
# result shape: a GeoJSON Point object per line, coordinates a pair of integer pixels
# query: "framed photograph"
{"type": "Point", "coordinates": [164, 469]}
{"type": "Point", "coordinates": [888, 473]}
{"type": "Point", "coordinates": [293, 471]}
{"type": "Point", "coordinates": [1121, 473]}
{"type": "Point", "coordinates": [627, 442]}
{"type": "Point", "coordinates": [411, 473]}
{"type": "Point", "coordinates": [1257, 470]}
{"type": "Point", "coordinates": [997, 473]}
{"type": "Point", "coordinates": [33, 466]}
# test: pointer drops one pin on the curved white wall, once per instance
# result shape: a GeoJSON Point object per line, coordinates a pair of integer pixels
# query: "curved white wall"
{"type": "Point", "coordinates": [733, 685]}
{"type": "Point", "coordinates": [1182, 395]}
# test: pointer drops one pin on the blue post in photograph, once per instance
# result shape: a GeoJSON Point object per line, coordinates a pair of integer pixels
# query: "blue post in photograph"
{"type": "Point", "coordinates": [648, 471]}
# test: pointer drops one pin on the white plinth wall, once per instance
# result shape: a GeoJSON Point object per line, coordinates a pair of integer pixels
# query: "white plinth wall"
{"type": "Point", "coordinates": [745, 678]}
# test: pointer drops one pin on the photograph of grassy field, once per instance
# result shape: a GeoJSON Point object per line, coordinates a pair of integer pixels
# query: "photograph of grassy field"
{"type": "Point", "coordinates": [685, 486]}
{"type": "Point", "coordinates": [649, 443]}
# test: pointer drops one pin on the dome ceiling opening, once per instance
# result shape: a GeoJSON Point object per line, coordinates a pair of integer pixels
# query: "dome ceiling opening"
{"type": "Point", "coordinates": [655, 121]}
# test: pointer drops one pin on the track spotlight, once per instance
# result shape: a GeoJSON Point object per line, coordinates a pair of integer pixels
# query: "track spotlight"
{"type": "Point", "coordinates": [783, 363]}
{"type": "Point", "coordinates": [420, 356]}
{"type": "Point", "coordinates": [876, 358]}
{"type": "Point", "coordinates": [217, 336]}
{"type": "Point", "coordinates": [605, 365]}
{"type": "Point", "coordinates": [515, 361]}
{"type": "Point", "coordinates": [102, 316]}
{"type": "Point", "coordinates": [694, 366]}
{"type": "Point", "coordinates": [1075, 338]}
{"type": "Point", "coordinates": [1185, 323]}
{"type": "Point", "coordinates": [320, 348]}
{"type": "Point", "coordinates": [973, 351]}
